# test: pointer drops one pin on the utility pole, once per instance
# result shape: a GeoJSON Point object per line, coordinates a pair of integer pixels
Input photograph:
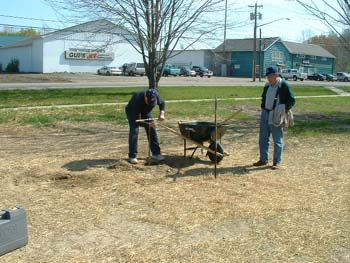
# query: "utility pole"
{"type": "Point", "coordinates": [224, 46]}
{"type": "Point", "coordinates": [254, 16]}
{"type": "Point", "coordinates": [260, 60]}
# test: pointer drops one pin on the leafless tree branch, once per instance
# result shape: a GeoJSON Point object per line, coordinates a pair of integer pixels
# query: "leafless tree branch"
{"type": "Point", "coordinates": [336, 16]}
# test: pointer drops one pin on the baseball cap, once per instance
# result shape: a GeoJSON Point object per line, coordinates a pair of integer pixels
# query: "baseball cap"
{"type": "Point", "coordinates": [151, 95]}
{"type": "Point", "coordinates": [271, 70]}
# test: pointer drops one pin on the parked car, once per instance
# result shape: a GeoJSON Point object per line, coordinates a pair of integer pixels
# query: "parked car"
{"type": "Point", "coordinates": [171, 70]}
{"type": "Point", "coordinates": [316, 76]}
{"type": "Point", "coordinates": [108, 71]}
{"type": "Point", "coordinates": [343, 76]}
{"type": "Point", "coordinates": [293, 74]}
{"type": "Point", "coordinates": [133, 69]}
{"type": "Point", "coordinates": [186, 71]}
{"type": "Point", "coordinates": [202, 71]}
{"type": "Point", "coordinates": [329, 77]}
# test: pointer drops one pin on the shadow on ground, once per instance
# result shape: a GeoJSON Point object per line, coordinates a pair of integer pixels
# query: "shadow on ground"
{"type": "Point", "coordinates": [180, 163]}
{"type": "Point", "coordinates": [83, 165]}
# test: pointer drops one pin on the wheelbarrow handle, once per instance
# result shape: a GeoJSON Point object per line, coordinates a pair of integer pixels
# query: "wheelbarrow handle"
{"type": "Point", "coordinates": [230, 117]}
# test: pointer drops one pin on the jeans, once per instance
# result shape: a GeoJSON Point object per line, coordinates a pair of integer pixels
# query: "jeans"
{"type": "Point", "coordinates": [266, 130]}
{"type": "Point", "coordinates": [134, 132]}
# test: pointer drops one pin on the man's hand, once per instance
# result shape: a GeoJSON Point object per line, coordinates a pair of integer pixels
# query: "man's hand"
{"type": "Point", "coordinates": [161, 116]}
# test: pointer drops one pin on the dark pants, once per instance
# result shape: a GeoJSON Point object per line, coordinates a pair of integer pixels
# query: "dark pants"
{"type": "Point", "coordinates": [134, 132]}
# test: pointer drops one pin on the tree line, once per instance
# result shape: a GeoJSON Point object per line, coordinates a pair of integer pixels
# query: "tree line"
{"type": "Point", "coordinates": [23, 32]}
{"type": "Point", "coordinates": [335, 45]}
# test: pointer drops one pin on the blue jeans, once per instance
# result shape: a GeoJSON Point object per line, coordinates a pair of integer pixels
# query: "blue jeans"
{"type": "Point", "coordinates": [266, 130]}
{"type": "Point", "coordinates": [134, 132]}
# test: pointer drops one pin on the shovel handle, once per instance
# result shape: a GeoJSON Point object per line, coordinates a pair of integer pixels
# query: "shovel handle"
{"type": "Point", "coordinates": [143, 120]}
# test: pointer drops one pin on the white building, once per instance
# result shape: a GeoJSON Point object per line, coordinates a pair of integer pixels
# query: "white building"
{"type": "Point", "coordinates": [82, 48]}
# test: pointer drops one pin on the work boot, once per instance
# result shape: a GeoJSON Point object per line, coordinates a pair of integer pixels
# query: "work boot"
{"type": "Point", "coordinates": [259, 163]}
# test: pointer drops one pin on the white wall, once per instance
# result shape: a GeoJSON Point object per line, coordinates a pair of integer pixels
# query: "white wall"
{"type": "Point", "coordinates": [55, 61]}
{"type": "Point", "coordinates": [125, 53]}
{"type": "Point", "coordinates": [37, 56]}
{"type": "Point", "coordinates": [188, 57]}
{"type": "Point", "coordinates": [47, 54]}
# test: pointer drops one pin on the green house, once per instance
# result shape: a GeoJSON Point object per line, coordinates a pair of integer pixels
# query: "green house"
{"type": "Point", "coordinates": [238, 57]}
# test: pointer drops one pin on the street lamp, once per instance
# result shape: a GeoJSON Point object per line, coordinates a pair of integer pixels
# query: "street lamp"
{"type": "Point", "coordinates": [254, 55]}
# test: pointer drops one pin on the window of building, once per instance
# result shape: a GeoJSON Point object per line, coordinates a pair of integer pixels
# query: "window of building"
{"type": "Point", "coordinates": [277, 56]}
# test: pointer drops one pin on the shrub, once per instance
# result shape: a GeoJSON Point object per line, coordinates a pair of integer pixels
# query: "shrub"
{"type": "Point", "coordinates": [0, 68]}
{"type": "Point", "coordinates": [13, 66]}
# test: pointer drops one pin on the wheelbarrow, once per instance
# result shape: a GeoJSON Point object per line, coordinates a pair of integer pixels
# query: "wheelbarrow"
{"type": "Point", "coordinates": [201, 132]}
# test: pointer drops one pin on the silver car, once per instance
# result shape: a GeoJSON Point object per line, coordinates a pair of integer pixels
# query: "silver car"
{"type": "Point", "coordinates": [108, 71]}
{"type": "Point", "coordinates": [343, 76]}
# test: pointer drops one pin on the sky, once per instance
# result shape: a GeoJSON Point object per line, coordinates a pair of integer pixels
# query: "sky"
{"type": "Point", "coordinates": [299, 27]}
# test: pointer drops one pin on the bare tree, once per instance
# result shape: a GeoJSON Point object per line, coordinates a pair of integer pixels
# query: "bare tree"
{"type": "Point", "coordinates": [335, 14]}
{"type": "Point", "coordinates": [157, 26]}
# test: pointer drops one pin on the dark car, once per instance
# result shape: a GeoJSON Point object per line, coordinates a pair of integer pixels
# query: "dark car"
{"type": "Point", "coordinates": [316, 76]}
{"type": "Point", "coordinates": [201, 71]}
{"type": "Point", "coordinates": [329, 77]}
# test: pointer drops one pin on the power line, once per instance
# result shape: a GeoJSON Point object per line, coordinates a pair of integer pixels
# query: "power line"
{"type": "Point", "coordinates": [40, 19]}
{"type": "Point", "coordinates": [30, 27]}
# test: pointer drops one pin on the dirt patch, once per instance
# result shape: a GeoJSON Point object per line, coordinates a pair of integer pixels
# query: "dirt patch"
{"type": "Point", "coordinates": [60, 78]}
{"type": "Point", "coordinates": [86, 203]}
{"type": "Point", "coordinates": [33, 78]}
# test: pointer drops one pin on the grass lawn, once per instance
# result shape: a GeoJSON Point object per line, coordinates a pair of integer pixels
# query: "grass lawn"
{"type": "Point", "coordinates": [17, 98]}
{"type": "Point", "coordinates": [313, 115]}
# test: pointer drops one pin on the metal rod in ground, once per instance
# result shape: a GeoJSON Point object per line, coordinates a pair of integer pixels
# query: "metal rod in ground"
{"type": "Point", "coordinates": [149, 144]}
{"type": "Point", "coordinates": [216, 131]}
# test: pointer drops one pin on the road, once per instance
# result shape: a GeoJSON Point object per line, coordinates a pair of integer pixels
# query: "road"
{"type": "Point", "coordinates": [43, 81]}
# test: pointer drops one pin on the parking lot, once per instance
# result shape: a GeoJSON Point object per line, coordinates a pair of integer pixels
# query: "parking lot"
{"type": "Point", "coordinates": [67, 80]}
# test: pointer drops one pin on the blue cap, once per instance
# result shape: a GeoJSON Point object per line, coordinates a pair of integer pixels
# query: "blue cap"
{"type": "Point", "coordinates": [271, 70]}
{"type": "Point", "coordinates": [151, 95]}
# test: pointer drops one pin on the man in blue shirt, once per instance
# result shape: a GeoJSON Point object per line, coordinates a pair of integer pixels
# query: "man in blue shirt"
{"type": "Point", "coordinates": [140, 106]}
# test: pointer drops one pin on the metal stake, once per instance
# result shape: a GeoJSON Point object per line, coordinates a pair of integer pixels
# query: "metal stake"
{"type": "Point", "coordinates": [216, 131]}
{"type": "Point", "coordinates": [149, 144]}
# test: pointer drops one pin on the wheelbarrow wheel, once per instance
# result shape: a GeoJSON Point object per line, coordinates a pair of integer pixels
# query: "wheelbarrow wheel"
{"type": "Point", "coordinates": [219, 149]}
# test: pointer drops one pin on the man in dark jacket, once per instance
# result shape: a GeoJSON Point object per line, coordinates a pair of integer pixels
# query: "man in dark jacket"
{"type": "Point", "coordinates": [140, 106]}
{"type": "Point", "coordinates": [276, 91]}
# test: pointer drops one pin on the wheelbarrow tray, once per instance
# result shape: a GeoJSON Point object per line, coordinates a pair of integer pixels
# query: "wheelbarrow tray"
{"type": "Point", "coordinates": [201, 131]}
